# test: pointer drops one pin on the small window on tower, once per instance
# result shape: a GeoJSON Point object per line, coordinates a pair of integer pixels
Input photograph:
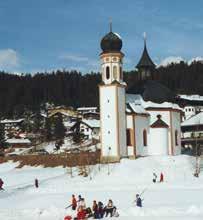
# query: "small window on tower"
{"type": "Point", "coordinates": [115, 72]}
{"type": "Point", "coordinates": [107, 72]}
{"type": "Point", "coordinates": [121, 73]}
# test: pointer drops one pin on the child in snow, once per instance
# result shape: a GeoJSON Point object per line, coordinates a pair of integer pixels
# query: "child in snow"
{"type": "Point", "coordinates": [154, 177]}
{"type": "Point", "coordinates": [161, 177]}
{"type": "Point", "coordinates": [138, 201]}
{"type": "Point", "coordinates": [109, 208]}
{"type": "Point", "coordinates": [95, 209]}
{"type": "Point", "coordinates": [1, 184]}
{"type": "Point", "coordinates": [82, 204]}
{"type": "Point", "coordinates": [100, 210]}
{"type": "Point", "coordinates": [81, 215]}
{"type": "Point", "coordinates": [36, 183]}
{"type": "Point", "coordinates": [74, 202]}
{"type": "Point", "coordinates": [79, 198]}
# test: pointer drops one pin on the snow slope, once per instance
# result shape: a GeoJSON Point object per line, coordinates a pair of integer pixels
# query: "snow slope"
{"type": "Point", "coordinates": [180, 196]}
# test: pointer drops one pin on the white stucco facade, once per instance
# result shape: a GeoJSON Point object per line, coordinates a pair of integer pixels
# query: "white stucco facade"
{"type": "Point", "coordinates": [158, 141]}
{"type": "Point", "coordinates": [165, 139]}
{"type": "Point", "coordinates": [141, 125]}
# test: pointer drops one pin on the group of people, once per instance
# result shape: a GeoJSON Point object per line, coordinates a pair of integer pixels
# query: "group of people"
{"type": "Point", "coordinates": [97, 211]}
{"type": "Point", "coordinates": [155, 177]}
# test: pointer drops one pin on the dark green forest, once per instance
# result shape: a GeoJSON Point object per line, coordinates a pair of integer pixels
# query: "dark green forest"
{"type": "Point", "coordinates": [31, 92]}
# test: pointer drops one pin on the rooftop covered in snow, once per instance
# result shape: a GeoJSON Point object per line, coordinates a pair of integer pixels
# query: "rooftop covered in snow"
{"type": "Point", "coordinates": [138, 100]}
{"type": "Point", "coordinates": [194, 120]}
{"type": "Point", "coordinates": [10, 121]}
{"type": "Point", "coordinates": [18, 141]}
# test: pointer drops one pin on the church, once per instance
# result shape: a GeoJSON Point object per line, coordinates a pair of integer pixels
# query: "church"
{"type": "Point", "coordinates": [144, 120]}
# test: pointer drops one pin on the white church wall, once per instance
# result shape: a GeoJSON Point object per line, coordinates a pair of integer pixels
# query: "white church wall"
{"type": "Point", "coordinates": [141, 124]}
{"type": "Point", "coordinates": [165, 116]}
{"type": "Point", "coordinates": [176, 127]}
{"type": "Point", "coordinates": [122, 120]}
{"type": "Point", "coordinates": [158, 141]}
{"type": "Point", "coordinates": [108, 118]}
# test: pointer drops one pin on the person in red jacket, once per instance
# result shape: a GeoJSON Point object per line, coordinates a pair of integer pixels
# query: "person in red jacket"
{"type": "Point", "coordinates": [161, 177]}
{"type": "Point", "coordinates": [81, 215]}
{"type": "Point", "coordinates": [74, 202]}
{"type": "Point", "coordinates": [1, 184]}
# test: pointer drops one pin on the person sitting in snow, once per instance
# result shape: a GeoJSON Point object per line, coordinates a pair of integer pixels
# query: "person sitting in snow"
{"type": "Point", "coordinates": [95, 209]}
{"type": "Point", "coordinates": [100, 210]}
{"type": "Point", "coordinates": [74, 202]}
{"type": "Point", "coordinates": [109, 209]}
{"type": "Point", "coordinates": [1, 184]}
{"type": "Point", "coordinates": [161, 177]}
{"type": "Point", "coordinates": [138, 201]}
{"type": "Point", "coordinates": [81, 215]}
{"type": "Point", "coordinates": [154, 178]}
{"type": "Point", "coordinates": [82, 203]}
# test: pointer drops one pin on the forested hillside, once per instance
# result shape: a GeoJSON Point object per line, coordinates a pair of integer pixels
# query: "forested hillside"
{"type": "Point", "coordinates": [19, 93]}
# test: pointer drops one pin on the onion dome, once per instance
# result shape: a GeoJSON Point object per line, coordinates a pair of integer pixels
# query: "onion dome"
{"type": "Point", "coordinates": [111, 42]}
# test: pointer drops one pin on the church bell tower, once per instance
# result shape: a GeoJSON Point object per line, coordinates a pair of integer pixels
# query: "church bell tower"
{"type": "Point", "coordinates": [145, 66]}
{"type": "Point", "coordinates": [112, 99]}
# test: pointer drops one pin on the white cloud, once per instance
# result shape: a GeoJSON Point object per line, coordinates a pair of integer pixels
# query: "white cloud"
{"type": "Point", "coordinates": [75, 58]}
{"type": "Point", "coordinates": [177, 59]}
{"type": "Point", "coordinates": [9, 59]}
{"type": "Point", "coordinates": [196, 59]}
{"type": "Point", "coordinates": [172, 59]}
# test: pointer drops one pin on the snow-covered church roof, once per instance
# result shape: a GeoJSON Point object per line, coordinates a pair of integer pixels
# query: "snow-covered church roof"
{"type": "Point", "coordinates": [137, 99]}
{"type": "Point", "coordinates": [135, 108]}
{"type": "Point", "coordinates": [195, 97]}
{"type": "Point", "coordinates": [194, 120]}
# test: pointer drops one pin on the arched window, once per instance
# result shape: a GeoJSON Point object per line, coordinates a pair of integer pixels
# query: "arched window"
{"type": "Point", "coordinates": [107, 72]}
{"type": "Point", "coordinates": [129, 137]}
{"type": "Point", "coordinates": [176, 137]}
{"type": "Point", "coordinates": [145, 137]}
{"type": "Point", "coordinates": [115, 72]}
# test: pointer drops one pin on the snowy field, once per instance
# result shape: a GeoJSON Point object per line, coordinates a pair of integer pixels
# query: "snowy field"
{"type": "Point", "coordinates": [180, 196]}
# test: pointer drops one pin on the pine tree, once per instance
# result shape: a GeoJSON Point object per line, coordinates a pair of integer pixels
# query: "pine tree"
{"type": "Point", "coordinates": [78, 136]}
{"type": "Point", "coordinates": [59, 130]}
{"type": "Point", "coordinates": [37, 122]}
{"type": "Point", "coordinates": [48, 133]}
{"type": "Point", "coordinates": [2, 136]}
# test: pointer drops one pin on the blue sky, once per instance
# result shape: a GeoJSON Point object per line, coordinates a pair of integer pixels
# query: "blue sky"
{"type": "Point", "coordinates": [38, 35]}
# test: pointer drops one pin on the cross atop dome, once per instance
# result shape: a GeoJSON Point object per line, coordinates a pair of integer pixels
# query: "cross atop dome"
{"type": "Point", "coordinates": [111, 42]}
